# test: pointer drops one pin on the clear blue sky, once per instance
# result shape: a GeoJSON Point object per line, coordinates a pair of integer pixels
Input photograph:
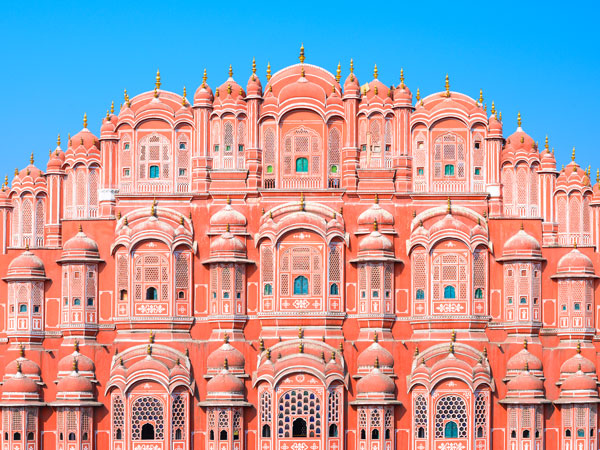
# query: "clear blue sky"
{"type": "Point", "coordinates": [60, 59]}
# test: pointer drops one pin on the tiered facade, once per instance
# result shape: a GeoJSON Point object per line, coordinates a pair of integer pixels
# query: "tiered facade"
{"type": "Point", "coordinates": [308, 266]}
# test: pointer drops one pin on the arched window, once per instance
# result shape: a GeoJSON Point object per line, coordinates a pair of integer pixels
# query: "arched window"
{"type": "Point", "coordinates": [449, 292]}
{"type": "Point", "coordinates": [479, 293]}
{"type": "Point", "coordinates": [420, 294]}
{"type": "Point", "coordinates": [526, 434]}
{"type": "Point", "coordinates": [299, 428]}
{"type": "Point", "coordinates": [268, 289]}
{"type": "Point", "coordinates": [451, 430]}
{"type": "Point", "coordinates": [580, 432]}
{"type": "Point", "coordinates": [151, 293]}
{"type": "Point", "coordinates": [211, 435]}
{"type": "Point", "coordinates": [147, 432]}
{"type": "Point", "coordinates": [223, 435]}
{"type": "Point", "coordinates": [334, 290]}
{"type": "Point", "coordinates": [154, 154]}
{"type": "Point", "coordinates": [300, 285]}
{"type": "Point", "coordinates": [375, 433]}
{"type": "Point", "coordinates": [16, 436]}
{"type": "Point", "coordinates": [266, 431]}
{"type": "Point", "coordinates": [302, 165]}
{"type": "Point", "coordinates": [333, 430]}
{"type": "Point", "coordinates": [22, 308]}
{"type": "Point", "coordinates": [421, 432]}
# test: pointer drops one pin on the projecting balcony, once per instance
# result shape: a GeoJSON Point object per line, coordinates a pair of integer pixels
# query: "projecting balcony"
{"type": "Point", "coordinates": [302, 183]}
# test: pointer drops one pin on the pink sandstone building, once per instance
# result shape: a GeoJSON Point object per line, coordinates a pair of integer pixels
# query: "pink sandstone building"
{"type": "Point", "coordinates": [306, 265]}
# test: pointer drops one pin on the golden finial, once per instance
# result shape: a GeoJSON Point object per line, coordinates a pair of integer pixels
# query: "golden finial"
{"type": "Point", "coordinates": [76, 345]}
{"type": "Point", "coordinates": [485, 108]}
{"type": "Point", "coordinates": [449, 207]}
{"type": "Point", "coordinates": [157, 85]}
{"type": "Point", "coordinates": [107, 115]}
{"type": "Point", "coordinates": [226, 338]}
{"type": "Point", "coordinates": [493, 108]}
{"type": "Point", "coordinates": [268, 72]}
{"type": "Point", "coordinates": [253, 66]}
{"type": "Point", "coordinates": [597, 176]}
{"type": "Point", "coordinates": [351, 66]}
{"type": "Point", "coordinates": [525, 344]}
{"type": "Point", "coordinates": [125, 222]}
{"type": "Point", "coordinates": [376, 198]}
{"type": "Point", "coordinates": [575, 243]}
{"type": "Point", "coordinates": [31, 159]}
{"type": "Point", "coordinates": [418, 95]}
{"type": "Point", "coordinates": [204, 77]}
{"type": "Point", "coordinates": [578, 347]}
{"type": "Point", "coordinates": [301, 347]}
{"type": "Point", "coordinates": [451, 349]}
{"type": "Point", "coordinates": [229, 88]}
{"type": "Point", "coordinates": [80, 228]}
{"type": "Point", "coordinates": [127, 102]}
{"type": "Point", "coordinates": [447, 86]}
{"type": "Point", "coordinates": [300, 333]}
{"type": "Point", "coordinates": [338, 73]}
{"type": "Point", "coordinates": [323, 356]}
{"type": "Point", "coordinates": [375, 225]}
{"type": "Point", "coordinates": [230, 71]}
{"type": "Point", "coordinates": [121, 362]}
{"type": "Point", "coordinates": [227, 228]}
{"type": "Point", "coordinates": [402, 77]}
{"type": "Point", "coordinates": [377, 362]}
{"type": "Point", "coordinates": [481, 96]}
{"type": "Point", "coordinates": [226, 364]}
{"type": "Point", "coordinates": [183, 102]}
{"type": "Point", "coordinates": [74, 364]}
{"type": "Point", "coordinates": [416, 350]}
{"type": "Point", "coordinates": [21, 351]}
{"type": "Point", "coordinates": [302, 205]}
{"type": "Point", "coordinates": [375, 337]}
{"type": "Point", "coordinates": [149, 350]}
{"type": "Point", "coordinates": [573, 154]}
{"type": "Point", "coordinates": [84, 120]}
{"type": "Point", "coordinates": [269, 354]}
{"type": "Point", "coordinates": [342, 347]}
{"type": "Point", "coordinates": [58, 140]}
{"type": "Point", "coordinates": [485, 352]}
{"type": "Point", "coordinates": [19, 367]}
{"type": "Point", "coordinates": [155, 93]}
{"type": "Point", "coordinates": [376, 90]}
{"type": "Point", "coordinates": [151, 338]}
{"type": "Point", "coordinates": [301, 57]}
{"type": "Point", "coordinates": [375, 72]}
{"type": "Point", "coordinates": [519, 119]}
{"type": "Point", "coordinates": [526, 366]}
{"type": "Point", "coordinates": [153, 208]}
{"type": "Point", "coordinates": [302, 72]}
{"type": "Point", "coordinates": [333, 355]}
{"type": "Point", "coordinates": [261, 344]}
{"type": "Point", "coordinates": [333, 88]}
{"type": "Point", "coordinates": [112, 107]}
{"type": "Point", "coordinates": [453, 336]}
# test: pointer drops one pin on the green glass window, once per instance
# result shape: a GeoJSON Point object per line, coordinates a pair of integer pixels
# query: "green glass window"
{"type": "Point", "coordinates": [302, 165]}
{"type": "Point", "coordinates": [451, 430]}
{"type": "Point", "coordinates": [154, 172]}
{"type": "Point", "coordinates": [449, 292]}
{"type": "Point", "coordinates": [300, 285]}
{"type": "Point", "coordinates": [449, 170]}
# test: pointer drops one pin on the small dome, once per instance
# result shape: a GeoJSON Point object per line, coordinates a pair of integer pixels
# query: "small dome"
{"type": "Point", "coordinates": [228, 216]}
{"type": "Point", "coordinates": [575, 263]}
{"type": "Point", "coordinates": [375, 242]}
{"type": "Point", "coordinates": [254, 87]}
{"type": "Point", "coordinates": [449, 223]}
{"type": "Point", "coordinates": [302, 88]}
{"type": "Point", "coordinates": [576, 363]}
{"type": "Point", "coordinates": [204, 94]}
{"type": "Point", "coordinates": [376, 383]}
{"type": "Point", "coordinates": [452, 363]}
{"type": "Point", "coordinates": [402, 95]}
{"type": "Point", "coordinates": [56, 160]}
{"type": "Point", "coordinates": [81, 245]}
{"type": "Point", "coordinates": [228, 244]}
{"type": "Point", "coordinates": [375, 214]}
{"type": "Point", "coordinates": [494, 125]}
{"type": "Point", "coordinates": [26, 264]}
{"type": "Point", "coordinates": [84, 364]}
{"type": "Point", "coordinates": [85, 137]}
{"type": "Point", "coordinates": [19, 384]}
{"type": "Point", "coordinates": [30, 172]}
{"type": "Point", "coordinates": [579, 382]}
{"type": "Point", "coordinates": [525, 381]}
{"type": "Point", "coordinates": [235, 359]}
{"type": "Point", "coordinates": [74, 383]}
{"type": "Point", "coordinates": [28, 368]}
{"type": "Point", "coordinates": [519, 142]}
{"type": "Point", "coordinates": [351, 85]}
{"type": "Point", "coordinates": [524, 359]}
{"type": "Point", "coordinates": [225, 385]}
{"type": "Point", "coordinates": [522, 244]}
{"type": "Point", "coordinates": [375, 354]}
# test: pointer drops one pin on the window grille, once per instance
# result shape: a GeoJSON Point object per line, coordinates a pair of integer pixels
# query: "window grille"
{"type": "Point", "coordinates": [299, 404]}
{"type": "Point", "coordinates": [93, 188]}
{"type": "Point", "coordinates": [333, 413]}
{"type": "Point", "coordinates": [451, 408]}
{"type": "Point", "coordinates": [481, 401]}
{"type": "Point", "coordinates": [420, 416]}
{"type": "Point", "coordinates": [118, 417]}
{"type": "Point", "coordinates": [39, 222]}
{"type": "Point", "coordinates": [178, 414]}
{"type": "Point", "coordinates": [147, 410]}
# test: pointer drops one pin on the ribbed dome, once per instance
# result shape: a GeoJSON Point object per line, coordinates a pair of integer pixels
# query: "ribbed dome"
{"type": "Point", "coordinates": [225, 385]}
{"type": "Point", "coordinates": [20, 384]}
{"type": "Point", "coordinates": [376, 382]}
{"type": "Point", "coordinates": [576, 363]}
{"type": "Point", "coordinates": [375, 214]}
{"type": "Point", "coordinates": [579, 382]}
{"type": "Point", "coordinates": [81, 244]}
{"type": "Point", "coordinates": [575, 263]}
{"type": "Point", "coordinates": [302, 88]}
{"type": "Point", "coordinates": [524, 359]}
{"type": "Point", "coordinates": [74, 383]}
{"type": "Point", "coordinates": [522, 244]}
{"type": "Point", "coordinates": [26, 264]}
{"type": "Point", "coordinates": [375, 242]}
{"type": "Point", "coordinates": [525, 381]}
{"type": "Point", "coordinates": [351, 85]}
{"type": "Point", "coordinates": [228, 243]}
{"type": "Point", "coordinates": [28, 368]}
{"type": "Point", "coordinates": [84, 364]}
{"type": "Point", "coordinates": [228, 216]}
{"type": "Point", "coordinates": [374, 354]}
{"type": "Point", "coordinates": [254, 87]}
{"type": "Point", "coordinates": [235, 359]}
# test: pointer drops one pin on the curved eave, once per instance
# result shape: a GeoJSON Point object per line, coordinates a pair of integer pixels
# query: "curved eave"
{"type": "Point", "coordinates": [59, 403]}
{"type": "Point", "coordinates": [524, 401]}
{"type": "Point", "coordinates": [25, 278]}
{"type": "Point", "coordinates": [520, 258]}
{"type": "Point", "coordinates": [573, 275]}
{"type": "Point", "coordinates": [79, 260]}
{"type": "Point", "coordinates": [209, 403]}
{"type": "Point", "coordinates": [376, 259]}
{"type": "Point", "coordinates": [568, 401]}
{"type": "Point", "coordinates": [228, 260]}
{"type": "Point", "coordinates": [375, 401]}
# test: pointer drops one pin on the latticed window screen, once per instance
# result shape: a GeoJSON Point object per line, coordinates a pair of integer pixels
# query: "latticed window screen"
{"type": "Point", "coordinates": [375, 130]}
{"type": "Point", "coordinates": [40, 219]}
{"type": "Point", "coordinates": [421, 413]}
{"type": "Point", "coordinates": [26, 218]}
{"type": "Point", "coordinates": [80, 194]}
{"type": "Point", "coordinates": [17, 418]}
{"type": "Point", "coordinates": [93, 187]}
{"type": "Point", "coordinates": [299, 404]}
{"type": "Point", "coordinates": [302, 143]}
{"type": "Point", "coordinates": [522, 184]}
{"type": "Point", "coordinates": [69, 192]}
{"type": "Point", "coordinates": [178, 415]}
{"type": "Point", "coordinates": [389, 425]}
{"type": "Point", "coordinates": [362, 423]}
{"type": "Point", "coordinates": [449, 151]}
{"type": "Point", "coordinates": [419, 259]}
{"type": "Point", "coordinates": [32, 419]}
{"type": "Point", "coordinates": [182, 270]}
{"type": "Point", "coordinates": [450, 270]}
{"type": "Point", "coordinates": [375, 418]}
{"type": "Point", "coordinates": [118, 417]}
{"type": "Point", "coordinates": [265, 407]}
{"type": "Point", "coordinates": [151, 271]}
{"type": "Point", "coordinates": [72, 421]}
{"type": "Point", "coordinates": [481, 402]}
{"type": "Point", "coordinates": [451, 408]}
{"type": "Point", "coordinates": [333, 155]}
{"type": "Point", "coordinates": [147, 410]}
{"type": "Point", "coordinates": [507, 185]}
{"type": "Point", "coordinates": [301, 262]}
{"type": "Point", "coordinates": [154, 150]}
{"type": "Point", "coordinates": [335, 266]}
{"type": "Point", "coordinates": [561, 213]}
{"type": "Point", "coordinates": [333, 406]}
{"type": "Point", "coordinates": [269, 152]}
{"type": "Point", "coordinates": [183, 156]}
{"type": "Point", "coordinates": [388, 132]}
{"type": "Point", "coordinates": [574, 215]}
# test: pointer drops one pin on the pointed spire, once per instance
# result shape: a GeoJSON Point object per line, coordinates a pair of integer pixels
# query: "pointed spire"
{"type": "Point", "coordinates": [573, 154]}
{"type": "Point", "coordinates": [112, 107]}
{"type": "Point", "coordinates": [338, 73]}
{"type": "Point", "coordinates": [375, 72]}
{"type": "Point", "coordinates": [546, 143]}
{"type": "Point", "coordinates": [447, 86]}
{"type": "Point", "coordinates": [253, 66]}
{"type": "Point", "coordinates": [127, 102]}
{"type": "Point", "coordinates": [157, 84]}
{"type": "Point", "coordinates": [481, 96]}
{"type": "Point", "coordinates": [84, 120]}
{"type": "Point", "coordinates": [230, 71]}
{"type": "Point", "coordinates": [579, 347]}
{"type": "Point", "coordinates": [402, 77]}
{"type": "Point", "coordinates": [597, 177]}
{"type": "Point", "coordinates": [204, 77]}
{"type": "Point", "coordinates": [58, 140]}
{"type": "Point", "coordinates": [80, 229]}
{"type": "Point", "coordinates": [418, 95]}
{"type": "Point", "coordinates": [268, 72]}
{"type": "Point", "coordinates": [351, 66]}
{"type": "Point", "coordinates": [302, 57]}
{"type": "Point", "coordinates": [183, 100]}
{"type": "Point", "coordinates": [519, 119]}
{"type": "Point", "coordinates": [31, 159]}
{"type": "Point", "coordinates": [377, 362]}
{"type": "Point", "coordinates": [493, 108]}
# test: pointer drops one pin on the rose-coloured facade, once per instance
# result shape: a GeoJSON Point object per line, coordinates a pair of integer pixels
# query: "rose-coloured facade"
{"type": "Point", "coordinates": [306, 265]}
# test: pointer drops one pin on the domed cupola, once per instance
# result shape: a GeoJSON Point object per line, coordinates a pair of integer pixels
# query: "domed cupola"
{"type": "Point", "coordinates": [20, 389]}
{"type": "Point", "coordinates": [204, 94]}
{"type": "Point", "coordinates": [85, 366]}
{"type": "Point", "coordinates": [225, 388]}
{"type": "Point", "coordinates": [578, 388]}
{"type": "Point", "coordinates": [375, 213]}
{"type": "Point", "coordinates": [229, 92]}
{"type": "Point", "coordinates": [228, 217]}
{"type": "Point", "coordinates": [56, 159]}
{"type": "Point", "coordinates": [575, 363]}
{"type": "Point", "coordinates": [525, 389]}
{"type": "Point", "coordinates": [226, 352]}
{"type": "Point", "coordinates": [375, 247]}
{"type": "Point", "coordinates": [494, 124]}
{"type": "Point", "coordinates": [80, 248]}
{"type": "Point", "coordinates": [521, 246]}
{"type": "Point", "coordinates": [303, 88]}
{"type": "Point", "coordinates": [83, 142]}
{"type": "Point", "coordinates": [74, 388]}
{"type": "Point", "coordinates": [26, 267]}
{"type": "Point", "coordinates": [29, 176]}
{"type": "Point", "coordinates": [523, 358]}
{"type": "Point", "coordinates": [375, 91]}
{"type": "Point", "coordinates": [573, 176]}
{"type": "Point", "coordinates": [375, 387]}
{"type": "Point", "coordinates": [254, 87]}
{"type": "Point", "coordinates": [575, 264]}
{"type": "Point", "coordinates": [519, 144]}
{"type": "Point", "coordinates": [28, 368]}
{"type": "Point", "coordinates": [375, 354]}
